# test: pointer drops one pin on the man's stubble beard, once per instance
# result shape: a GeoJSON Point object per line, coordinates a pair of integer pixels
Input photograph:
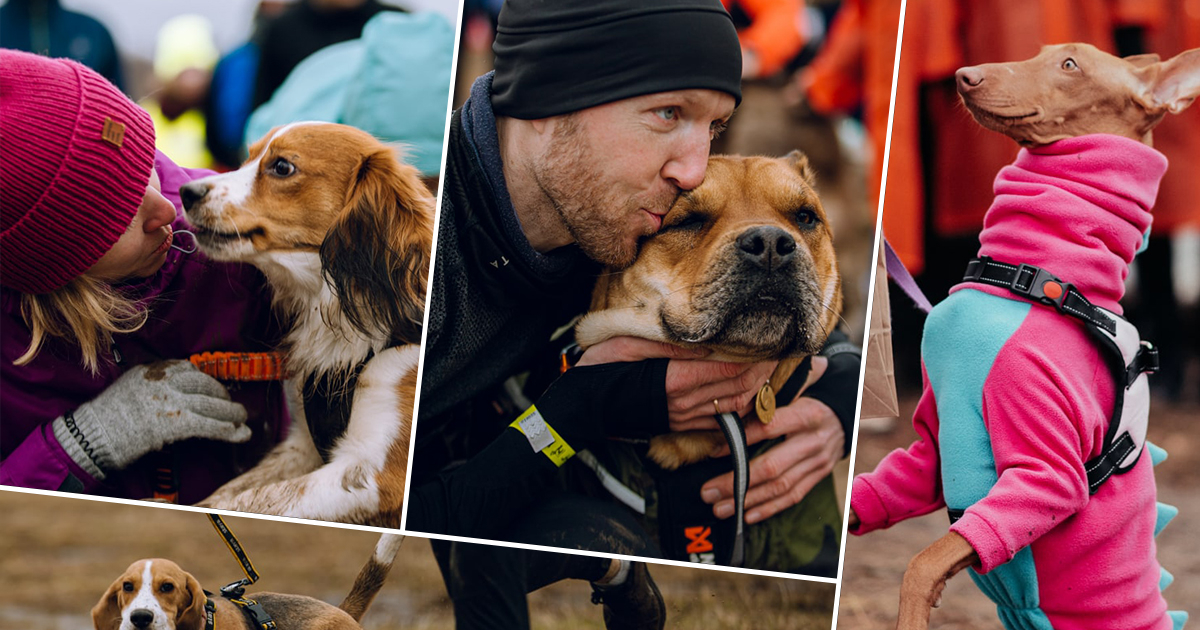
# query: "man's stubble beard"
{"type": "Point", "coordinates": [595, 218]}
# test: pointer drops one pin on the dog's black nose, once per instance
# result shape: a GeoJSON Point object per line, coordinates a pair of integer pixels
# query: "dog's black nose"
{"type": "Point", "coordinates": [141, 618]}
{"type": "Point", "coordinates": [767, 246]}
{"type": "Point", "coordinates": [189, 194]}
{"type": "Point", "coordinates": [968, 78]}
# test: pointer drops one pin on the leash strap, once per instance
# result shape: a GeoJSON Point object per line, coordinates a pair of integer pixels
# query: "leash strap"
{"type": "Point", "coordinates": [731, 426]}
{"type": "Point", "coordinates": [235, 548]}
{"type": "Point", "coordinates": [791, 388]}
{"type": "Point", "coordinates": [903, 279]}
{"type": "Point", "coordinates": [165, 479]}
{"type": "Point", "coordinates": [234, 591]}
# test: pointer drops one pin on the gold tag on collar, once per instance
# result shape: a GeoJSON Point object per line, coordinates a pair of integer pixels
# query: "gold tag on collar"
{"type": "Point", "coordinates": [764, 403]}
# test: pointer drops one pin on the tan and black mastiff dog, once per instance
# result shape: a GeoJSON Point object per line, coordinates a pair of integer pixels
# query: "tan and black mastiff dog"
{"type": "Point", "coordinates": [743, 265]}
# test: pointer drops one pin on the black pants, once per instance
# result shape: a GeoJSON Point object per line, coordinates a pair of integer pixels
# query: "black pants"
{"type": "Point", "coordinates": [488, 583]}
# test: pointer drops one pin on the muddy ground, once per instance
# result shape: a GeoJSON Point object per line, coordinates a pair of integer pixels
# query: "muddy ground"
{"type": "Point", "coordinates": [58, 555]}
{"type": "Point", "coordinates": [875, 563]}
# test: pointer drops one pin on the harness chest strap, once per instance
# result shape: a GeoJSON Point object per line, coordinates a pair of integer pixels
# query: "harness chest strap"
{"type": "Point", "coordinates": [253, 610]}
{"type": "Point", "coordinates": [735, 435]}
{"type": "Point", "coordinates": [1129, 358]}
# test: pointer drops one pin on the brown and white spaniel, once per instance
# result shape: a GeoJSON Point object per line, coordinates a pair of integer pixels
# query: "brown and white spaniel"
{"type": "Point", "coordinates": [342, 230]}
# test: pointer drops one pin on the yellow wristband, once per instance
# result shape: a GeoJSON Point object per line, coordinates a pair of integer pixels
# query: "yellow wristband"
{"type": "Point", "coordinates": [542, 437]}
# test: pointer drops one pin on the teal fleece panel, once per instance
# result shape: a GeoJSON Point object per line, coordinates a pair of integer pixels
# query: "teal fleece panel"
{"type": "Point", "coordinates": [963, 336]}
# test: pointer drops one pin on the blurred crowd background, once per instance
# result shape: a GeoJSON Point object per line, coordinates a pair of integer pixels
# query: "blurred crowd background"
{"type": "Point", "coordinates": [216, 75]}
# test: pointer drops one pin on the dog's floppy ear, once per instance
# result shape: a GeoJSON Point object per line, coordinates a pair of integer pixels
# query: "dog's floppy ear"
{"type": "Point", "coordinates": [191, 614]}
{"type": "Point", "coordinates": [376, 255]}
{"type": "Point", "coordinates": [106, 614]}
{"type": "Point", "coordinates": [799, 161]}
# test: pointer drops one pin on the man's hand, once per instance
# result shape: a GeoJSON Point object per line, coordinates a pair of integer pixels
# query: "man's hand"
{"type": "Point", "coordinates": [692, 384]}
{"type": "Point", "coordinates": [783, 475]}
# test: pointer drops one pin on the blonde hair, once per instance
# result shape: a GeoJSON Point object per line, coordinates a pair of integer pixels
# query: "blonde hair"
{"type": "Point", "coordinates": [85, 310]}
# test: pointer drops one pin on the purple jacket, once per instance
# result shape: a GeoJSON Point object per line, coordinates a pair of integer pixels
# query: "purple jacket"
{"type": "Point", "coordinates": [198, 305]}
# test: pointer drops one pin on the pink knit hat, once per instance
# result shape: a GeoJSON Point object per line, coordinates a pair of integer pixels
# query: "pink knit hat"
{"type": "Point", "coordinates": [75, 160]}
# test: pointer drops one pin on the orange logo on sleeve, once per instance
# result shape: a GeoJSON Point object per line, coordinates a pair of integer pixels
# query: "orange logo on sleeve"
{"type": "Point", "coordinates": [699, 537]}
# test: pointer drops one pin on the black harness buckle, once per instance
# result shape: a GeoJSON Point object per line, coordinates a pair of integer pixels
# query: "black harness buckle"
{"type": "Point", "coordinates": [1031, 282]}
{"type": "Point", "coordinates": [1146, 360]}
{"type": "Point", "coordinates": [1038, 285]}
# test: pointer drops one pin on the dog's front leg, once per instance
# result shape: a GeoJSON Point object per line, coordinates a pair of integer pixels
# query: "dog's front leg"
{"type": "Point", "coordinates": [364, 479]}
{"type": "Point", "coordinates": [926, 576]}
{"type": "Point", "coordinates": [295, 456]}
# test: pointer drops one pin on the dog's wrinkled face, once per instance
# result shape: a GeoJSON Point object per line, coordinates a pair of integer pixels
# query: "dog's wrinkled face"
{"type": "Point", "coordinates": [1072, 90]}
{"type": "Point", "coordinates": [152, 594]}
{"type": "Point", "coordinates": [744, 265]}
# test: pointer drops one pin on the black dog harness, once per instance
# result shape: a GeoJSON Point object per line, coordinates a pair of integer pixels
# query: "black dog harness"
{"type": "Point", "coordinates": [1129, 358]}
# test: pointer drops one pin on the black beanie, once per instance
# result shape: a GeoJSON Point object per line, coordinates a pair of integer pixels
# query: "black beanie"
{"type": "Point", "coordinates": [560, 56]}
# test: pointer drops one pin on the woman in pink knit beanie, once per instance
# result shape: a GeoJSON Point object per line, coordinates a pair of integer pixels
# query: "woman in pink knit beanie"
{"type": "Point", "coordinates": [96, 301]}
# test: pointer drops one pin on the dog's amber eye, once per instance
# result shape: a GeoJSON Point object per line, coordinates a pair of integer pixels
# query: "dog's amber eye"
{"type": "Point", "coordinates": [282, 168]}
{"type": "Point", "coordinates": [166, 587]}
{"type": "Point", "coordinates": [1069, 64]}
{"type": "Point", "coordinates": [806, 216]}
{"type": "Point", "coordinates": [128, 587]}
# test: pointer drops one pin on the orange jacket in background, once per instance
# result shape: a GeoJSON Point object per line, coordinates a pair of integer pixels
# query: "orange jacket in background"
{"type": "Point", "coordinates": [855, 66]}
{"type": "Point", "coordinates": [773, 34]}
{"type": "Point", "coordinates": [1178, 137]}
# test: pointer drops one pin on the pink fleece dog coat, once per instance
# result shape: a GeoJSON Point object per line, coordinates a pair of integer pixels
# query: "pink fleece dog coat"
{"type": "Point", "coordinates": [1017, 397]}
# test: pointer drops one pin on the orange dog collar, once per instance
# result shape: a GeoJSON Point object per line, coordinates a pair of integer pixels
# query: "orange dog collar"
{"type": "Point", "coordinates": [241, 366]}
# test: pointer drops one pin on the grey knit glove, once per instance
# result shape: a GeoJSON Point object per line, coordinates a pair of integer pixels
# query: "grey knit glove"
{"type": "Point", "coordinates": [147, 407]}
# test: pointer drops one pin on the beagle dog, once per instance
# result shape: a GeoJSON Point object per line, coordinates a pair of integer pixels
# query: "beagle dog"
{"type": "Point", "coordinates": [343, 231]}
{"type": "Point", "coordinates": [156, 594]}
{"type": "Point", "coordinates": [743, 265]}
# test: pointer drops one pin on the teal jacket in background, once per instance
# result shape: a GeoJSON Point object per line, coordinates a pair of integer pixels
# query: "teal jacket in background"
{"type": "Point", "coordinates": [393, 82]}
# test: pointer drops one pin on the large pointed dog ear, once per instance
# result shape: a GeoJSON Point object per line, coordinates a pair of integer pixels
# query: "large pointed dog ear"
{"type": "Point", "coordinates": [1172, 85]}
{"type": "Point", "coordinates": [376, 256]}
{"type": "Point", "coordinates": [106, 614]}
{"type": "Point", "coordinates": [799, 161]}
{"type": "Point", "coordinates": [1141, 61]}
